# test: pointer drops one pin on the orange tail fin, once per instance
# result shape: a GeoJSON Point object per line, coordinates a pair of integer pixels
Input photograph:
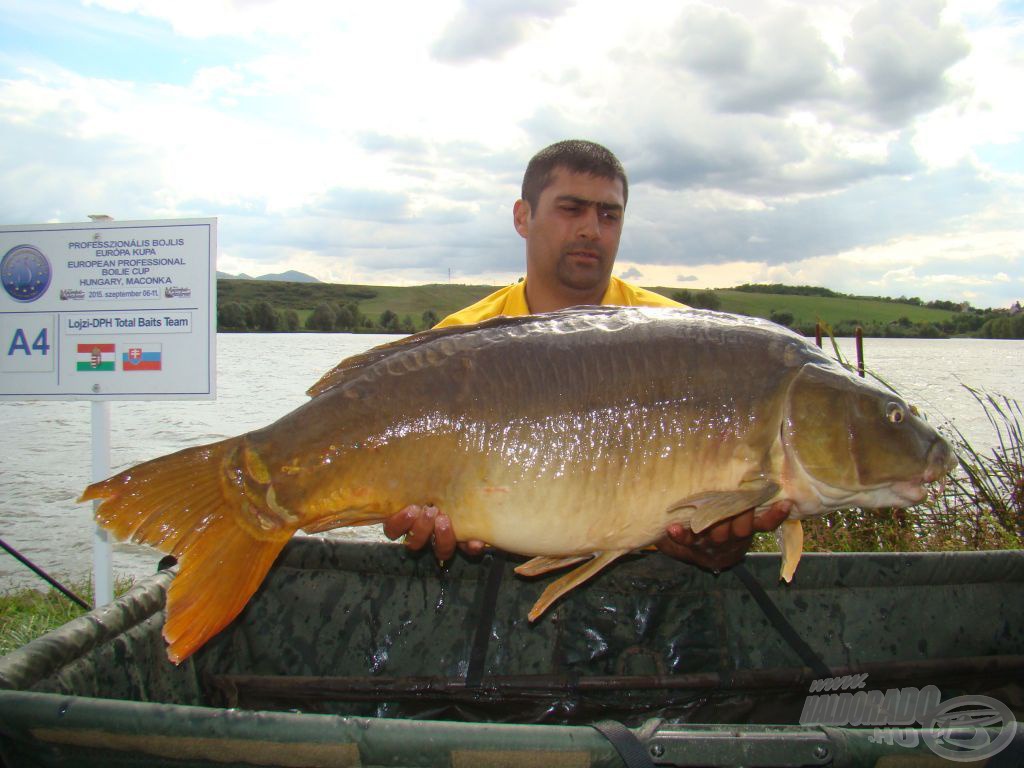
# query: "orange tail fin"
{"type": "Point", "coordinates": [202, 506]}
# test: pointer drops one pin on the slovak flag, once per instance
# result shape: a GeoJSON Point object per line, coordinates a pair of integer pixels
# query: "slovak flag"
{"type": "Point", "coordinates": [141, 357]}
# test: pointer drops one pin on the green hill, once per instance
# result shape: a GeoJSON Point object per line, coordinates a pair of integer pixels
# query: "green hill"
{"type": "Point", "coordinates": [807, 310]}
{"type": "Point", "coordinates": [408, 305]}
{"type": "Point", "coordinates": [411, 300]}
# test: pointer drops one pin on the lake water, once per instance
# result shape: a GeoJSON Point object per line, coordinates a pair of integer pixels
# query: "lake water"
{"type": "Point", "coordinates": [260, 377]}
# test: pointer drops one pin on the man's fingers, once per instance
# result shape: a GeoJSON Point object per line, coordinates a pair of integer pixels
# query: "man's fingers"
{"type": "Point", "coordinates": [742, 526]}
{"type": "Point", "coordinates": [422, 528]}
{"type": "Point", "coordinates": [444, 537]}
{"type": "Point", "coordinates": [399, 523]}
{"type": "Point", "coordinates": [773, 517]}
{"type": "Point", "coordinates": [720, 532]}
{"type": "Point", "coordinates": [473, 548]}
{"type": "Point", "coordinates": [680, 534]}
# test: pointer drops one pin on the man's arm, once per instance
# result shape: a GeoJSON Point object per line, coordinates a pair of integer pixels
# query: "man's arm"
{"type": "Point", "coordinates": [722, 545]}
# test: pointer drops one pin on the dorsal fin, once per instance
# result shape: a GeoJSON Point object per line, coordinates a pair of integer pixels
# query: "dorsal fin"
{"type": "Point", "coordinates": [350, 365]}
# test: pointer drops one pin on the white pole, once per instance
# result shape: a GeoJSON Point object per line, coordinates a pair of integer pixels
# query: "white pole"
{"type": "Point", "coordinates": [102, 555]}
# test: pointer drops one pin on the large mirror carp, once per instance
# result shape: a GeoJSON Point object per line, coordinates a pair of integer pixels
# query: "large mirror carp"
{"type": "Point", "coordinates": [573, 437]}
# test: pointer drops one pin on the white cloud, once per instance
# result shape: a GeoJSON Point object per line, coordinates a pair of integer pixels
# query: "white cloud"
{"type": "Point", "coordinates": [818, 142]}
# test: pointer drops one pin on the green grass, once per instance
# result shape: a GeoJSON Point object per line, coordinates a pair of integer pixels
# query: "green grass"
{"type": "Point", "coordinates": [26, 614]}
{"type": "Point", "coordinates": [807, 310]}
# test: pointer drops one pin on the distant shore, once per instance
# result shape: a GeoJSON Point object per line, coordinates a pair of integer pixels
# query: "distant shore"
{"type": "Point", "coordinates": [279, 306]}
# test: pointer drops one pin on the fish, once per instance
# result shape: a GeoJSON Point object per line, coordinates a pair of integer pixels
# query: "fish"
{"type": "Point", "coordinates": [572, 437]}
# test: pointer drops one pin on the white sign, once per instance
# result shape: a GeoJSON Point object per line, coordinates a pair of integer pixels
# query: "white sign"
{"type": "Point", "coordinates": [109, 310]}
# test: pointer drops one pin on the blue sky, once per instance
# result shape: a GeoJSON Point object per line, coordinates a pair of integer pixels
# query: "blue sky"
{"type": "Point", "coordinates": [871, 147]}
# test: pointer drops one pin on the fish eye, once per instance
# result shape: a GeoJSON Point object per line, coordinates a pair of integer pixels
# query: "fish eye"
{"type": "Point", "coordinates": [895, 413]}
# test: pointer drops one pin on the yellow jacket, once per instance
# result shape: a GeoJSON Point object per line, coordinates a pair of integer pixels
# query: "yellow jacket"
{"type": "Point", "coordinates": [511, 300]}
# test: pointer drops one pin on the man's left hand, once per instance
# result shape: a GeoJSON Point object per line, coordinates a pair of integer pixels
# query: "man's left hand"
{"type": "Point", "coordinates": [726, 542]}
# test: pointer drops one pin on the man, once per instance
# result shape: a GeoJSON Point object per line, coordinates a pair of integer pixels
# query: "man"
{"type": "Point", "coordinates": [571, 215]}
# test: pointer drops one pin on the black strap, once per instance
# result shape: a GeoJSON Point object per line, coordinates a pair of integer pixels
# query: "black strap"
{"type": "Point", "coordinates": [486, 605]}
{"type": "Point", "coordinates": [625, 742]}
{"type": "Point", "coordinates": [782, 626]}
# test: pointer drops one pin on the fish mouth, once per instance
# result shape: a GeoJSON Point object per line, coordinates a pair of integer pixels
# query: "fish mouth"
{"type": "Point", "coordinates": [910, 493]}
{"type": "Point", "coordinates": [941, 460]}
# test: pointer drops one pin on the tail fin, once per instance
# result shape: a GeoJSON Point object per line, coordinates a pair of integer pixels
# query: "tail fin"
{"type": "Point", "coordinates": [198, 505]}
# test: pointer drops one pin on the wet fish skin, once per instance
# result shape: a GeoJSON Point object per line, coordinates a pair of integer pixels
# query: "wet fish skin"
{"type": "Point", "coordinates": [574, 434]}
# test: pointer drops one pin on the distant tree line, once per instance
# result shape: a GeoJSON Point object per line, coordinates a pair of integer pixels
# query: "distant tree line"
{"type": "Point", "coordinates": [1006, 326]}
{"type": "Point", "coordinates": [816, 290]}
{"type": "Point", "coordinates": [345, 317]}
{"type": "Point", "coordinates": [960, 324]}
{"type": "Point", "coordinates": [787, 290]}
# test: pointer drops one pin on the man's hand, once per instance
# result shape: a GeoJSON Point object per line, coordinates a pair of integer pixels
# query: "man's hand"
{"type": "Point", "coordinates": [421, 524]}
{"type": "Point", "coordinates": [726, 542]}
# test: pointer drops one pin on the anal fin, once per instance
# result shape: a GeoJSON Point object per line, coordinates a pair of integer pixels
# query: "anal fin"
{"type": "Point", "coordinates": [573, 579]}
{"type": "Point", "coordinates": [790, 536]}
{"type": "Point", "coordinates": [544, 564]}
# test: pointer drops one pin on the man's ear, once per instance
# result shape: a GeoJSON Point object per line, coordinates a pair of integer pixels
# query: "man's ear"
{"type": "Point", "coordinates": [521, 217]}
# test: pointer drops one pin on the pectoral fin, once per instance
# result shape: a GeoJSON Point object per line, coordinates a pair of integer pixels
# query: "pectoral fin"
{"type": "Point", "coordinates": [710, 507]}
{"type": "Point", "coordinates": [542, 564]}
{"type": "Point", "coordinates": [572, 580]}
{"type": "Point", "coordinates": [790, 536]}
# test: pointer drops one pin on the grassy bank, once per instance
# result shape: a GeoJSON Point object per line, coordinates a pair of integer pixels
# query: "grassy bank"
{"type": "Point", "coordinates": [25, 614]}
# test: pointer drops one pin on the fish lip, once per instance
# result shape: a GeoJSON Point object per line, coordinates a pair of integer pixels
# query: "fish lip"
{"type": "Point", "coordinates": [913, 492]}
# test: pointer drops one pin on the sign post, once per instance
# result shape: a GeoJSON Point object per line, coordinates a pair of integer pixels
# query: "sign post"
{"type": "Point", "coordinates": [108, 310]}
{"type": "Point", "coordinates": [102, 553]}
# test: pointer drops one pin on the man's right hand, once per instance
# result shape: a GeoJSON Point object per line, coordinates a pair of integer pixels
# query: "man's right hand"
{"type": "Point", "coordinates": [422, 524]}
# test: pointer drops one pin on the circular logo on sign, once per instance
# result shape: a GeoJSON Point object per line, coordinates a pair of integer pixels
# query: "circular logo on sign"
{"type": "Point", "coordinates": [25, 273]}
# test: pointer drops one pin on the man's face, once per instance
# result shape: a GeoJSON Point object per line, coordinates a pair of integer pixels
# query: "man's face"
{"type": "Point", "coordinates": [573, 235]}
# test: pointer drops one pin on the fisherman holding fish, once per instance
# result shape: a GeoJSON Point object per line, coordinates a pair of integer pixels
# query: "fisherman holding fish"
{"type": "Point", "coordinates": [571, 214]}
{"type": "Point", "coordinates": [574, 436]}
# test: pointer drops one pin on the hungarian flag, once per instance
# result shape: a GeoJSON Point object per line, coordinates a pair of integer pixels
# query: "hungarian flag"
{"type": "Point", "coordinates": [141, 357]}
{"type": "Point", "coordinates": [95, 357]}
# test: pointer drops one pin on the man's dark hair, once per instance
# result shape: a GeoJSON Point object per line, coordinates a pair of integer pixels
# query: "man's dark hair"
{"type": "Point", "coordinates": [576, 155]}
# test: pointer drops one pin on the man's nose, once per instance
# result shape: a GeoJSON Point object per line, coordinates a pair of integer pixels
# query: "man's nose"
{"type": "Point", "coordinates": [589, 224]}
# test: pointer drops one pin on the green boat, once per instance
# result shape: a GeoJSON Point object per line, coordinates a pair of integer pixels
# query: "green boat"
{"type": "Point", "coordinates": [355, 654]}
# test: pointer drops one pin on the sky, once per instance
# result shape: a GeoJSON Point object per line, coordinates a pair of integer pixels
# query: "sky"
{"type": "Point", "coordinates": [875, 148]}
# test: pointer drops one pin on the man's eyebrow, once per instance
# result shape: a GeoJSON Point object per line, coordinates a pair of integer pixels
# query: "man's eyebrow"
{"type": "Point", "coordinates": [585, 201]}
